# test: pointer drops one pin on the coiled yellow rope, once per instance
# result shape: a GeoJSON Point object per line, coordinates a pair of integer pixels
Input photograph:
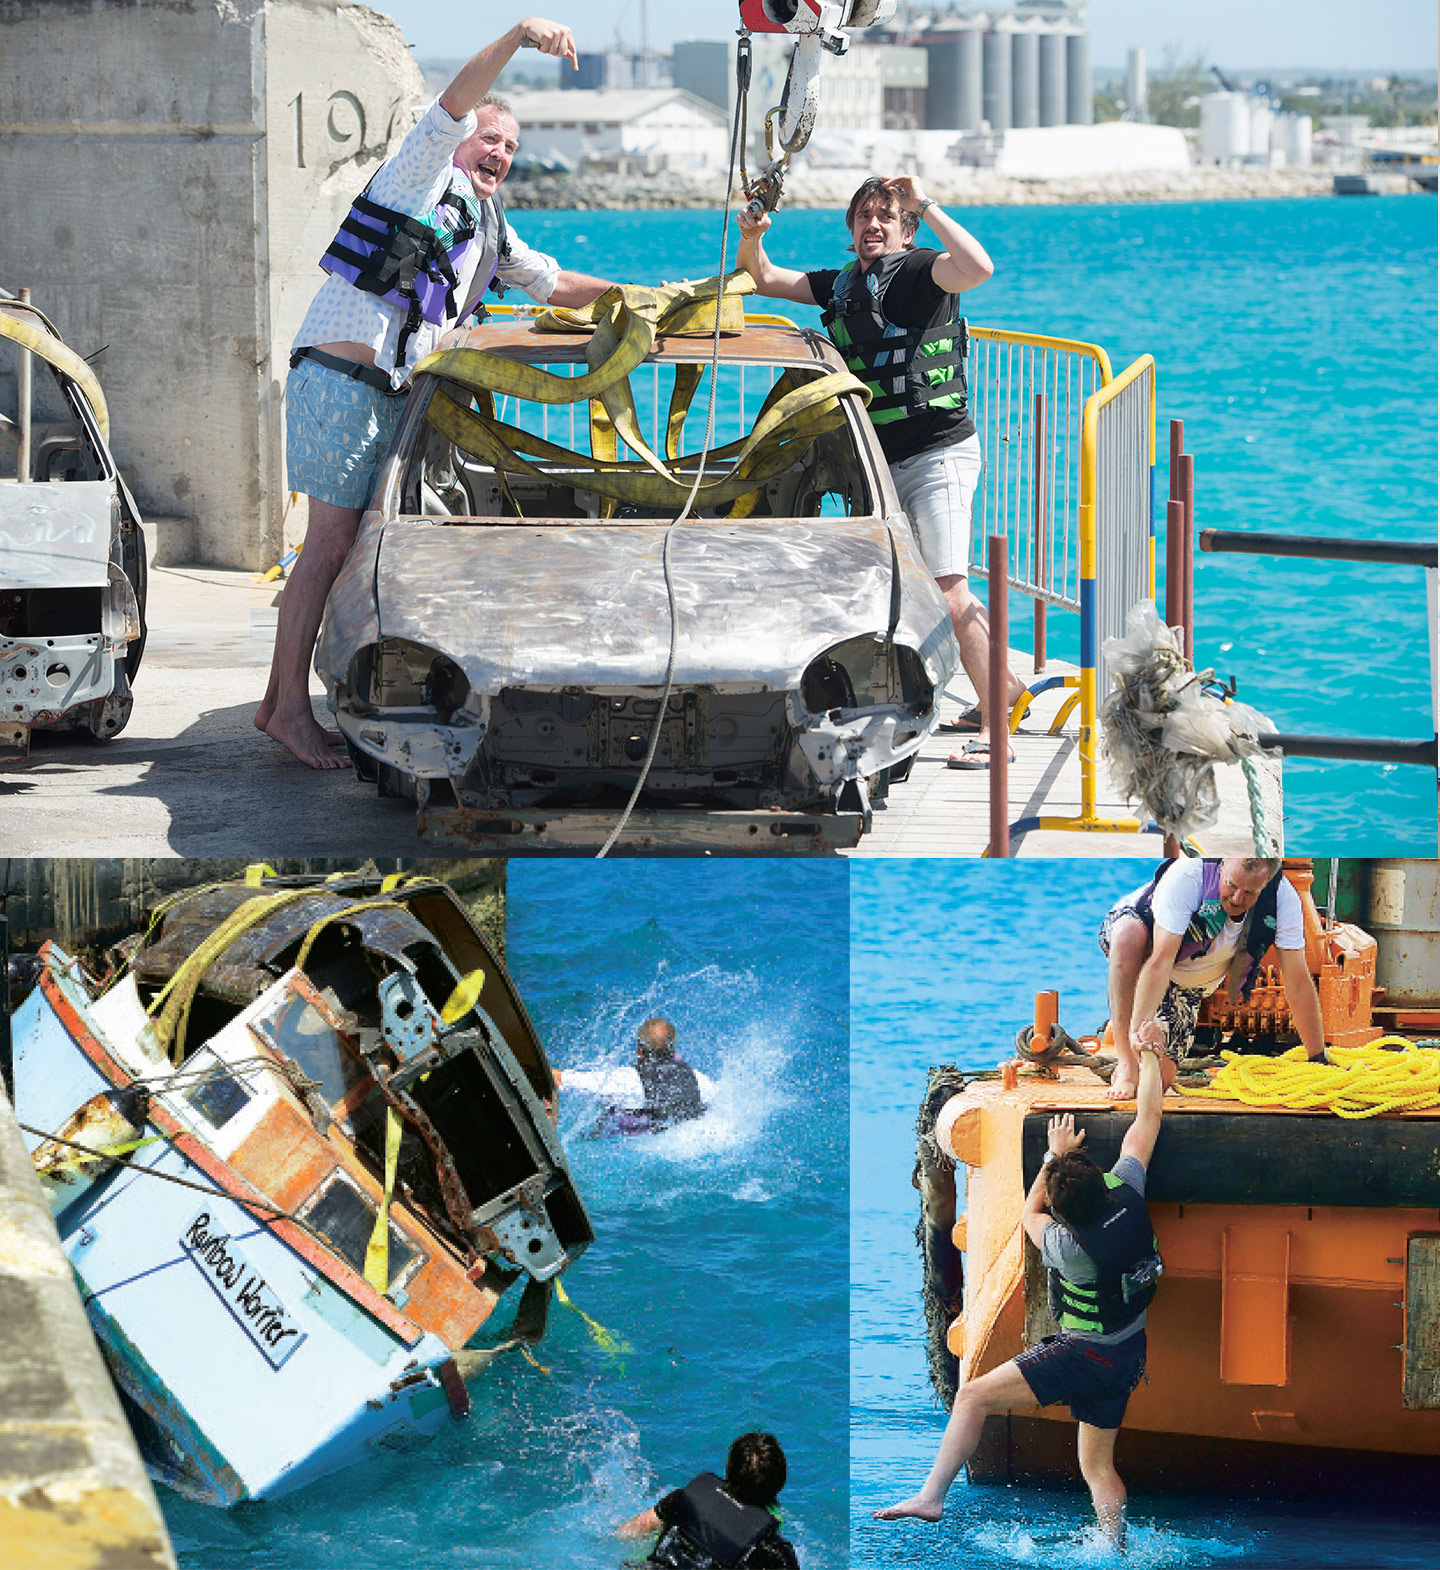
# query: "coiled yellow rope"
{"type": "Point", "coordinates": [1392, 1074]}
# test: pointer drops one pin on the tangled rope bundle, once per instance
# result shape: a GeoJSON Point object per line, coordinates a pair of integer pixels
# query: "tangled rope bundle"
{"type": "Point", "coordinates": [1392, 1074]}
{"type": "Point", "coordinates": [1163, 732]}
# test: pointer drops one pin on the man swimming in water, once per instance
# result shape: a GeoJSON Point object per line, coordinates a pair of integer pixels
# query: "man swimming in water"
{"type": "Point", "coordinates": [672, 1091]}
{"type": "Point", "coordinates": [708, 1524]}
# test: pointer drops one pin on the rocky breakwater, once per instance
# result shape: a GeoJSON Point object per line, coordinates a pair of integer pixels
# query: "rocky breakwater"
{"type": "Point", "coordinates": [952, 186]}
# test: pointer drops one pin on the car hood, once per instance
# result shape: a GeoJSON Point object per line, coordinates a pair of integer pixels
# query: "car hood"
{"type": "Point", "coordinates": [555, 605]}
{"type": "Point", "coordinates": [56, 535]}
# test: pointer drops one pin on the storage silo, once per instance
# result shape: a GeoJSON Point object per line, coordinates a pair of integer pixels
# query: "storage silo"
{"type": "Point", "coordinates": [1224, 127]}
{"type": "Point", "coordinates": [995, 73]}
{"type": "Point", "coordinates": [1052, 77]}
{"type": "Point", "coordinates": [954, 97]}
{"type": "Point", "coordinates": [1024, 77]}
{"type": "Point", "coordinates": [1262, 121]}
{"type": "Point", "coordinates": [1293, 135]}
{"type": "Point", "coordinates": [1079, 85]}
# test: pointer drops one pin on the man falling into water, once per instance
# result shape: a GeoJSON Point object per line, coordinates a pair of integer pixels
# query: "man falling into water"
{"type": "Point", "coordinates": [377, 314]}
{"type": "Point", "coordinates": [1094, 1235]}
{"type": "Point", "coordinates": [894, 314]}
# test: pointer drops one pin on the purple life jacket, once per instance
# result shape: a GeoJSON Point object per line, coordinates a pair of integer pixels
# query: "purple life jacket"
{"type": "Point", "coordinates": [1209, 921]}
{"type": "Point", "coordinates": [415, 263]}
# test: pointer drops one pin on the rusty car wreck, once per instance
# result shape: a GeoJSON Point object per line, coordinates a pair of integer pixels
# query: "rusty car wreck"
{"type": "Point", "coordinates": [72, 552]}
{"type": "Point", "coordinates": [496, 646]}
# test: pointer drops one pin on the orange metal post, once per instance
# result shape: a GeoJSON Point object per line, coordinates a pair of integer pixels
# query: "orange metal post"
{"type": "Point", "coordinates": [998, 709]}
{"type": "Point", "coordinates": [1047, 1013]}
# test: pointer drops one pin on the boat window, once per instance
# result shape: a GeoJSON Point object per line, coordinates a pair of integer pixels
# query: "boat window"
{"type": "Point", "coordinates": [345, 1218]}
{"type": "Point", "coordinates": [300, 1031]}
{"type": "Point", "coordinates": [219, 1099]}
{"type": "Point", "coordinates": [548, 472]}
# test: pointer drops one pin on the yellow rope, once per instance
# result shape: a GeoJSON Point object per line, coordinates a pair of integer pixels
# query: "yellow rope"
{"type": "Point", "coordinates": [1392, 1074]}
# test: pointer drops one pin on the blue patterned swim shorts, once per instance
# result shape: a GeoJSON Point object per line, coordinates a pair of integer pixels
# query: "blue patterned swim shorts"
{"type": "Point", "coordinates": [337, 431]}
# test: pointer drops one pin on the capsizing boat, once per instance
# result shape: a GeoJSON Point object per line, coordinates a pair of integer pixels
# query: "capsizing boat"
{"type": "Point", "coordinates": [298, 1150]}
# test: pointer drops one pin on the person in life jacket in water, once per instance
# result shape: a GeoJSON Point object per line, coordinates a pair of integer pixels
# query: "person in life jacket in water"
{"type": "Point", "coordinates": [411, 260]}
{"type": "Point", "coordinates": [1194, 925]}
{"type": "Point", "coordinates": [714, 1525]}
{"type": "Point", "coordinates": [894, 315]}
{"type": "Point", "coordinates": [672, 1092]}
{"type": "Point", "coordinates": [1095, 1238]}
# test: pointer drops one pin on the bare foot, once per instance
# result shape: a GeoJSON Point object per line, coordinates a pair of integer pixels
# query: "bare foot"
{"type": "Point", "coordinates": [1123, 1085]}
{"type": "Point", "coordinates": [918, 1508]}
{"type": "Point", "coordinates": [311, 743]}
{"type": "Point", "coordinates": [262, 716]}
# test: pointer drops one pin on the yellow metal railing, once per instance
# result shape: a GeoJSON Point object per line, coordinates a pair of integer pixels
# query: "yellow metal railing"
{"type": "Point", "coordinates": [1116, 531]}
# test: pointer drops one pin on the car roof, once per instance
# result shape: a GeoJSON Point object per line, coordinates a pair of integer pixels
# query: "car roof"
{"type": "Point", "coordinates": [771, 341]}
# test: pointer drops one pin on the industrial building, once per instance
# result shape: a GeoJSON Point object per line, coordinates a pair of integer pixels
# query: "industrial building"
{"type": "Point", "coordinates": [958, 69]}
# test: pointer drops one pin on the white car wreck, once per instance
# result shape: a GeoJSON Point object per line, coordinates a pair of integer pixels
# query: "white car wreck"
{"type": "Point", "coordinates": [72, 552]}
{"type": "Point", "coordinates": [497, 644]}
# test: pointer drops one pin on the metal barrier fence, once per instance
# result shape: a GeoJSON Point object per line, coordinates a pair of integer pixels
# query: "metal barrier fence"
{"type": "Point", "coordinates": [1028, 394]}
{"type": "Point", "coordinates": [1112, 526]}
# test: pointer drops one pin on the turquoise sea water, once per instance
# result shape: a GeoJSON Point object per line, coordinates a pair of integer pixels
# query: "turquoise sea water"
{"type": "Point", "coordinates": [719, 1265]}
{"type": "Point", "coordinates": [946, 958]}
{"type": "Point", "coordinates": [1297, 341]}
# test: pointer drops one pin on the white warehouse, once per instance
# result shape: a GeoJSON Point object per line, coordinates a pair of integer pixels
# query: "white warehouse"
{"type": "Point", "coordinates": [651, 129]}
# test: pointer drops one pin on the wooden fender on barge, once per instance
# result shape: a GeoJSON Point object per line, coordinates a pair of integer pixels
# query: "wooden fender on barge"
{"type": "Point", "coordinates": [1296, 1333]}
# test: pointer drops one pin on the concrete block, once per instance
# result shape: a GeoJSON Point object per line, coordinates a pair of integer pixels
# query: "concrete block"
{"type": "Point", "coordinates": [170, 541]}
{"type": "Point", "coordinates": [73, 1491]}
{"type": "Point", "coordinates": [171, 172]}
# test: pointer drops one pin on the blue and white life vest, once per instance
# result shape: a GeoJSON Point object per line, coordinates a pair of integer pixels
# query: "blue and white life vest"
{"type": "Point", "coordinates": [415, 263]}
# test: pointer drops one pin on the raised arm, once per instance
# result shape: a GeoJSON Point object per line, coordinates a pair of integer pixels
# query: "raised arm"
{"type": "Point", "coordinates": [779, 283]}
{"type": "Point", "coordinates": [1061, 1137]}
{"type": "Point", "coordinates": [477, 76]}
{"type": "Point", "coordinates": [1139, 1138]}
{"type": "Point", "coordinates": [965, 262]}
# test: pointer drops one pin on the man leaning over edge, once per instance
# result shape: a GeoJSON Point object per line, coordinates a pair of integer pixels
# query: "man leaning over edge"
{"type": "Point", "coordinates": [352, 358]}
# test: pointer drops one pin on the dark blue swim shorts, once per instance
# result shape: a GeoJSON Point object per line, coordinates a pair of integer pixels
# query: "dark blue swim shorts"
{"type": "Point", "coordinates": [1094, 1379]}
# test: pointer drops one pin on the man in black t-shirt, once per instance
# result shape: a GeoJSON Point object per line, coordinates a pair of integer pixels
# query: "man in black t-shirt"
{"type": "Point", "coordinates": [893, 313]}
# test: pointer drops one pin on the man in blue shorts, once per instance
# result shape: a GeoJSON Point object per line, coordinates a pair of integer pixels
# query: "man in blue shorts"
{"type": "Point", "coordinates": [1094, 1235]}
{"type": "Point", "coordinates": [894, 315]}
{"type": "Point", "coordinates": [412, 259]}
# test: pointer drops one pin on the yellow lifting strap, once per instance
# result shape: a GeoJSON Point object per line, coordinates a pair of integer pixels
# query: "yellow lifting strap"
{"type": "Point", "coordinates": [1388, 1075]}
{"type": "Point", "coordinates": [605, 1339]}
{"type": "Point", "coordinates": [625, 322]}
{"type": "Point", "coordinates": [175, 998]}
{"type": "Point", "coordinates": [463, 998]}
{"type": "Point", "coordinates": [377, 1250]}
{"type": "Point", "coordinates": [30, 334]}
{"type": "Point", "coordinates": [340, 914]}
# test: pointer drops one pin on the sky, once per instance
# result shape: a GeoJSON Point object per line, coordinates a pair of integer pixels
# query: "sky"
{"type": "Point", "coordinates": [1267, 35]}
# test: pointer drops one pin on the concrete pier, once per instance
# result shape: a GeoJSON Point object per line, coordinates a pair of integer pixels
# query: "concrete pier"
{"type": "Point", "coordinates": [171, 172]}
{"type": "Point", "coordinates": [73, 1492]}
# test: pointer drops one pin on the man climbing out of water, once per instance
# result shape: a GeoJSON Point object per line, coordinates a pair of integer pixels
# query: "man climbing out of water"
{"type": "Point", "coordinates": [708, 1524]}
{"type": "Point", "coordinates": [1172, 942]}
{"type": "Point", "coordinates": [1094, 1235]}
{"type": "Point", "coordinates": [894, 315]}
{"type": "Point", "coordinates": [384, 306]}
{"type": "Point", "coordinates": [672, 1091]}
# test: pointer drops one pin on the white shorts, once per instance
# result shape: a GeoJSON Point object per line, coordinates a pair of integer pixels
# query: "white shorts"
{"type": "Point", "coordinates": [936, 489]}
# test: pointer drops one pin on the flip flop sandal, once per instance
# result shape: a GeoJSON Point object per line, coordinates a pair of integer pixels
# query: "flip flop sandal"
{"type": "Point", "coordinates": [973, 755]}
{"type": "Point", "coordinates": [968, 720]}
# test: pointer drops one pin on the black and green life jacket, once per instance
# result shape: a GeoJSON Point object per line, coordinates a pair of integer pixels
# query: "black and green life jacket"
{"type": "Point", "coordinates": [910, 370]}
{"type": "Point", "coordinates": [1127, 1261]}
